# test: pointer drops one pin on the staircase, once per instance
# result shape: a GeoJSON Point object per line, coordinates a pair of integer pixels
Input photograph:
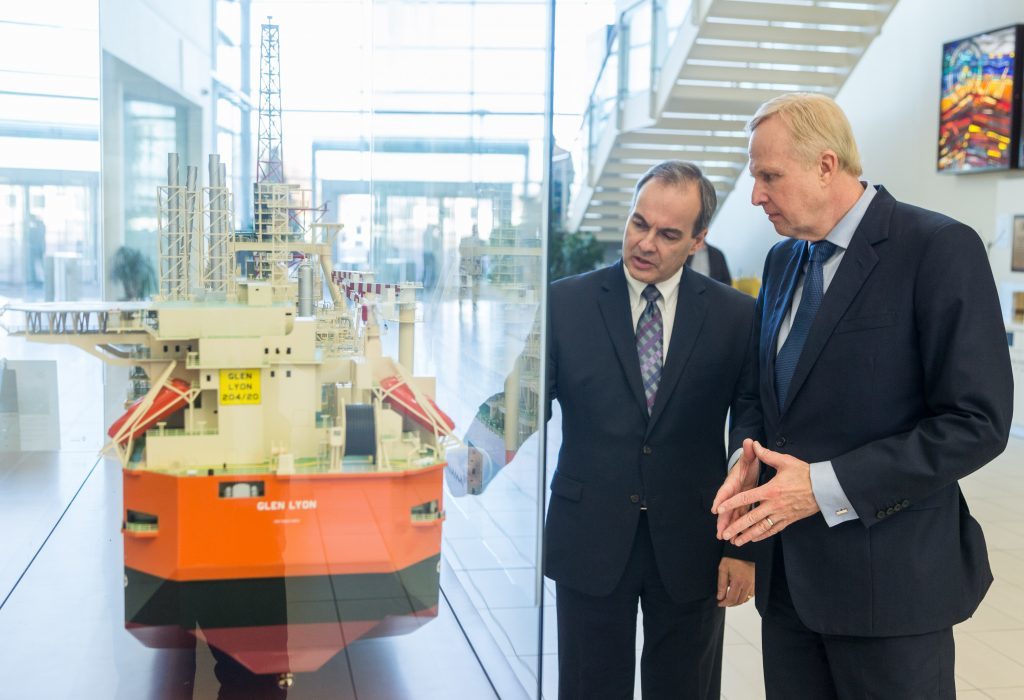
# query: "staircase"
{"type": "Point", "coordinates": [681, 78]}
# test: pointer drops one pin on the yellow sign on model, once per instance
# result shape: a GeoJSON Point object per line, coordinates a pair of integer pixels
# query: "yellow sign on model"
{"type": "Point", "coordinates": [239, 386]}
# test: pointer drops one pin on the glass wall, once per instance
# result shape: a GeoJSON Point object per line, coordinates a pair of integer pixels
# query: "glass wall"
{"type": "Point", "coordinates": [259, 346]}
{"type": "Point", "coordinates": [49, 151]}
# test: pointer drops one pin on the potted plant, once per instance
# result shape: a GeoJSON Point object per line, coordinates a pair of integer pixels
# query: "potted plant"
{"type": "Point", "coordinates": [134, 272]}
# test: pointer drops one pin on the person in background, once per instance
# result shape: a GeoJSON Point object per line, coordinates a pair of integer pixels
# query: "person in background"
{"type": "Point", "coordinates": [431, 253]}
{"type": "Point", "coordinates": [710, 262]}
{"type": "Point", "coordinates": [471, 266]}
{"type": "Point", "coordinates": [36, 236]}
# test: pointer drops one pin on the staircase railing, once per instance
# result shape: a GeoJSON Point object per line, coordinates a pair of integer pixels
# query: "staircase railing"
{"type": "Point", "coordinates": [638, 46]}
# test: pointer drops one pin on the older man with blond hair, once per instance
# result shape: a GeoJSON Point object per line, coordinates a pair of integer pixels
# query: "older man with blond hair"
{"type": "Point", "coordinates": [884, 377]}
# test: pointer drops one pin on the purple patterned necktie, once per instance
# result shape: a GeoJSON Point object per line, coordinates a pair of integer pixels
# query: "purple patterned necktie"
{"type": "Point", "coordinates": [649, 344]}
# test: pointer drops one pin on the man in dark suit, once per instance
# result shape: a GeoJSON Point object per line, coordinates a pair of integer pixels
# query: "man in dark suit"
{"type": "Point", "coordinates": [645, 359]}
{"type": "Point", "coordinates": [638, 462]}
{"type": "Point", "coordinates": [884, 378]}
{"type": "Point", "coordinates": [710, 262]}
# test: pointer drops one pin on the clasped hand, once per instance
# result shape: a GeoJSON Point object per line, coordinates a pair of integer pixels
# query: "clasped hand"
{"type": "Point", "coordinates": [750, 513]}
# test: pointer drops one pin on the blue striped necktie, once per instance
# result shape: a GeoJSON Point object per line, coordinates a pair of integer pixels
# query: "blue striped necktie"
{"type": "Point", "coordinates": [810, 301]}
{"type": "Point", "coordinates": [649, 344]}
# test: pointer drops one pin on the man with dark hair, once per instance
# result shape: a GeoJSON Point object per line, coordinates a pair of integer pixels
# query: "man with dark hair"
{"type": "Point", "coordinates": [884, 378]}
{"type": "Point", "coordinates": [645, 359]}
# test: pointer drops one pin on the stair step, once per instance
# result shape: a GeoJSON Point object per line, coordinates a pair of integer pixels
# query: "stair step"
{"type": "Point", "coordinates": [617, 183]}
{"type": "Point", "coordinates": [631, 172]}
{"type": "Point", "coordinates": [683, 123]}
{"type": "Point", "coordinates": [658, 154]}
{"type": "Point", "coordinates": [648, 138]}
{"type": "Point", "coordinates": [740, 74]}
{"type": "Point", "coordinates": [708, 99]}
{"type": "Point", "coordinates": [786, 35]}
{"type": "Point", "coordinates": [805, 14]}
{"type": "Point", "coordinates": [612, 196]}
{"type": "Point", "coordinates": [786, 57]}
{"type": "Point", "coordinates": [608, 210]}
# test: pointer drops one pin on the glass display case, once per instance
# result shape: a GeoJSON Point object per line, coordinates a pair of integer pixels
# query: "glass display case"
{"type": "Point", "coordinates": [232, 386]}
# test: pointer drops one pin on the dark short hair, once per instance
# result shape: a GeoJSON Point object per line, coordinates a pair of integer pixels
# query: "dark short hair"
{"type": "Point", "coordinates": [681, 172]}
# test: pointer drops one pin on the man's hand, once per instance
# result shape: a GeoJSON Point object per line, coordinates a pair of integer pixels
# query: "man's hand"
{"type": "Point", "coordinates": [742, 477]}
{"type": "Point", "coordinates": [735, 582]}
{"type": "Point", "coordinates": [785, 499]}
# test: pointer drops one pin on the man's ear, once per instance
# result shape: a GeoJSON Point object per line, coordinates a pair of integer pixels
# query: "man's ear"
{"type": "Point", "coordinates": [828, 166]}
{"type": "Point", "coordinates": [698, 241]}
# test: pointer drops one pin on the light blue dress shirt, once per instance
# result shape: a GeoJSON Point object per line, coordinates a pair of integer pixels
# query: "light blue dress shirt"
{"type": "Point", "coordinates": [831, 498]}
{"type": "Point", "coordinates": [829, 494]}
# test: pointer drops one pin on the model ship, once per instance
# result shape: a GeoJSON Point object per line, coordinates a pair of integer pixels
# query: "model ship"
{"type": "Point", "coordinates": [282, 475]}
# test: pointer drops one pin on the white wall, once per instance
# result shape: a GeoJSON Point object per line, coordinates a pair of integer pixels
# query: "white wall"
{"type": "Point", "coordinates": [168, 40]}
{"type": "Point", "coordinates": [159, 50]}
{"type": "Point", "coordinates": [892, 100]}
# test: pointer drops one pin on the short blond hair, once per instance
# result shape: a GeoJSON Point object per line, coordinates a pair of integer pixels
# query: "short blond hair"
{"type": "Point", "coordinates": [817, 124]}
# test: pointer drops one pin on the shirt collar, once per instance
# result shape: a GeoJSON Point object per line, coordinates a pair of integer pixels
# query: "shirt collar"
{"type": "Point", "coordinates": [669, 288]}
{"type": "Point", "coordinates": [842, 233]}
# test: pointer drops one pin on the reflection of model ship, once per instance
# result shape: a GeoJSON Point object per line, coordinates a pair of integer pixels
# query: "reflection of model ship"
{"type": "Point", "coordinates": [507, 259]}
{"type": "Point", "coordinates": [502, 424]}
{"type": "Point", "coordinates": [282, 477]}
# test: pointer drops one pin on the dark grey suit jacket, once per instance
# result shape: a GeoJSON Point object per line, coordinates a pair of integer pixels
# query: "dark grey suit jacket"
{"type": "Point", "coordinates": [615, 458]}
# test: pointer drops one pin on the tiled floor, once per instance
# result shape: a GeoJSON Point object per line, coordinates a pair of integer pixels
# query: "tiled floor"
{"type": "Point", "coordinates": [989, 646]}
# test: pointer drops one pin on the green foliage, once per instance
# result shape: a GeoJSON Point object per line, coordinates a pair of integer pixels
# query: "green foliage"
{"type": "Point", "coordinates": [572, 253]}
{"type": "Point", "coordinates": [132, 269]}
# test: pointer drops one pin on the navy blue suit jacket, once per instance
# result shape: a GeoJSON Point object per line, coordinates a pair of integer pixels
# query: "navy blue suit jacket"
{"type": "Point", "coordinates": [905, 385]}
{"type": "Point", "coordinates": [614, 457]}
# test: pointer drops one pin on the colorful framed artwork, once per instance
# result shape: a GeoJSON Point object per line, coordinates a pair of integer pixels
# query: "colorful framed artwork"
{"type": "Point", "coordinates": [979, 114]}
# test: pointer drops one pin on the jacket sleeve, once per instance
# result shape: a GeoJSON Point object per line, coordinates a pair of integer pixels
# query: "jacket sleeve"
{"type": "Point", "coordinates": [967, 380]}
{"type": "Point", "coordinates": [745, 417]}
{"type": "Point", "coordinates": [747, 421]}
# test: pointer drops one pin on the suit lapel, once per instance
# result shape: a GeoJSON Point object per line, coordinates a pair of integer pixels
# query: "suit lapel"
{"type": "Point", "coordinates": [614, 305]}
{"type": "Point", "coordinates": [691, 308]}
{"type": "Point", "coordinates": [858, 262]}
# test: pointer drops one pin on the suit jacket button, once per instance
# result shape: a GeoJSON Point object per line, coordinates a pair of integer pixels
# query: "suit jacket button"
{"type": "Point", "coordinates": [780, 442]}
{"type": "Point", "coordinates": [634, 498]}
{"type": "Point", "coordinates": [647, 450]}
{"type": "Point", "coordinates": [898, 507]}
{"type": "Point", "coordinates": [880, 514]}
{"type": "Point", "coordinates": [906, 503]}
{"type": "Point", "coordinates": [890, 510]}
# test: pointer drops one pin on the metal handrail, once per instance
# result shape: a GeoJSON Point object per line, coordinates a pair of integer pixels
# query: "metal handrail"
{"type": "Point", "coordinates": [617, 57]}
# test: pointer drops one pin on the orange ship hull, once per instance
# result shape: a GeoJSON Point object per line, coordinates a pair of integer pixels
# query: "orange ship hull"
{"type": "Point", "coordinates": [280, 571]}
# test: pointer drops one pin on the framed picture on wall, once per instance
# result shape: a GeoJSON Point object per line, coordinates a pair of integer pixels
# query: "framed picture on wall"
{"type": "Point", "coordinates": [979, 115]}
{"type": "Point", "coordinates": [1017, 257]}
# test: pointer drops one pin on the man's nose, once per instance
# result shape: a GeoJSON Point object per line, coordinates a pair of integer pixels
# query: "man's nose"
{"type": "Point", "coordinates": [647, 241]}
{"type": "Point", "coordinates": [757, 196]}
